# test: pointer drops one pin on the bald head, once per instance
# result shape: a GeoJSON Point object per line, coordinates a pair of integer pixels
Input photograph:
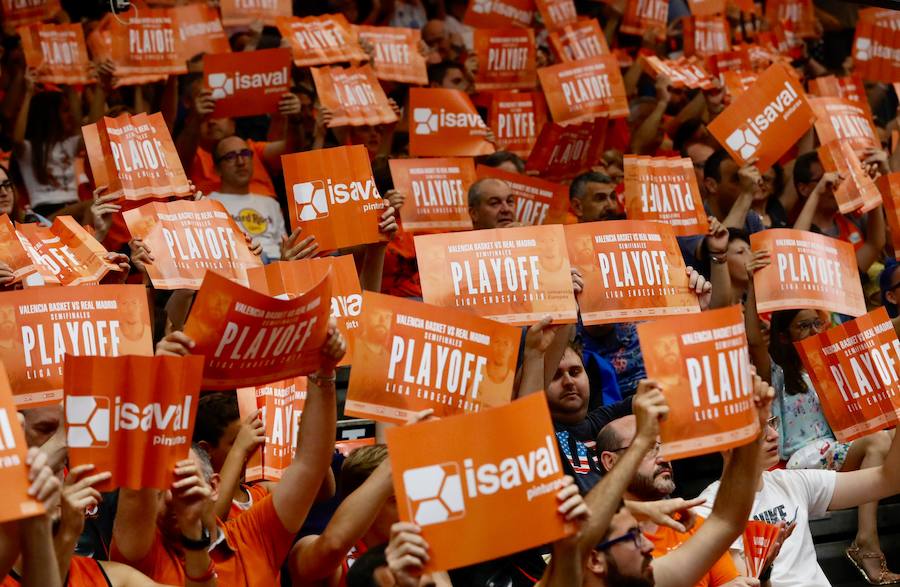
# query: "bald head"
{"type": "Point", "coordinates": [491, 204]}
{"type": "Point", "coordinates": [653, 480]}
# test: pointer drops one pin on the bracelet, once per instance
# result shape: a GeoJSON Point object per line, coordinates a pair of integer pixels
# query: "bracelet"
{"type": "Point", "coordinates": [317, 379]}
{"type": "Point", "coordinates": [208, 575]}
{"type": "Point", "coordinates": [719, 259]}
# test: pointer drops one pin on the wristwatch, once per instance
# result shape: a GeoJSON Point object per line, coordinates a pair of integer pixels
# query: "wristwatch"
{"type": "Point", "coordinates": [201, 544]}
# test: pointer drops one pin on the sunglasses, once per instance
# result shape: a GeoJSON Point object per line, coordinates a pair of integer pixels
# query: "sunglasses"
{"type": "Point", "coordinates": [233, 155]}
{"type": "Point", "coordinates": [7, 186]}
{"type": "Point", "coordinates": [635, 535]}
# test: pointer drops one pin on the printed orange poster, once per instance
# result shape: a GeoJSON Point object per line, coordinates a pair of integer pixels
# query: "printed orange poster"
{"type": "Point", "coordinates": [70, 254]}
{"type": "Point", "coordinates": [397, 57]}
{"type": "Point", "coordinates": [135, 156]}
{"type": "Point", "coordinates": [142, 45]}
{"type": "Point", "coordinates": [738, 81]}
{"type": "Point", "coordinates": [332, 196]}
{"type": "Point", "coordinates": [247, 83]}
{"type": "Point", "coordinates": [765, 121]}
{"type": "Point", "coordinates": [12, 252]}
{"type": "Point", "coordinates": [562, 152]}
{"type": "Point", "coordinates": [189, 238]}
{"type": "Point", "coordinates": [632, 270]}
{"type": "Point", "coordinates": [516, 119]}
{"type": "Point", "coordinates": [513, 275]}
{"type": "Point", "coordinates": [581, 40]}
{"type": "Point", "coordinates": [854, 371]}
{"type": "Point", "coordinates": [840, 119]}
{"type": "Point", "coordinates": [537, 201]}
{"type": "Point", "coordinates": [645, 15]}
{"type": "Point", "coordinates": [131, 416]}
{"type": "Point", "coordinates": [436, 192]}
{"type": "Point", "coordinates": [583, 90]}
{"type": "Point", "coordinates": [557, 14]}
{"type": "Point", "coordinates": [849, 87]}
{"type": "Point", "coordinates": [683, 73]}
{"type": "Point", "coordinates": [321, 40]}
{"type": "Point", "coordinates": [889, 186]}
{"type": "Point", "coordinates": [703, 365]}
{"type": "Point", "coordinates": [281, 404]}
{"type": "Point", "coordinates": [706, 35]}
{"type": "Point", "coordinates": [289, 279]}
{"type": "Point", "coordinates": [481, 496]}
{"type": "Point", "coordinates": [486, 14]}
{"type": "Point", "coordinates": [808, 271]}
{"type": "Point", "coordinates": [13, 470]}
{"type": "Point", "coordinates": [707, 7]}
{"type": "Point", "coordinates": [445, 123]}
{"type": "Point", "coordinates": [245, 12]}
{"type": "Point", "coordinates": [800, 13]}
{"type": "Point", "coordinates": [411, 356]}
{"type": "Point", "coordinates": [249, 338]}
{"type": "Point", "coordinates": [20, 13]}
{"type": "Point", "coordinates": [506, 59]}
{"type": "Point", "coordinates": [58, 53]}
{"type": "Point", "coordinates": [40, 325]}
{"type": "Point", "coordinates": [353, 95]}
{"type": "Point", "coordinates": [856, 191]}
{"type": "Point", "coordinates": [664, 189]}
{"type": "Point", "coordinates": [199, 31]}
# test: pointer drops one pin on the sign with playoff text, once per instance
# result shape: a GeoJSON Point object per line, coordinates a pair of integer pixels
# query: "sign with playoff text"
{"type": "Point", "coordinates": [506, 59]}
{"type": "Point", "coordinates": [516, 119]}
{"type": "Point", "coordinates": [411, 356]}
{"type": "Point", "coordinates": [537, 201]}
{"type": "Point", "coordinates": [353, 95]}
{"type": "Point", "coordinates": [281, 404]}
{"type": "Point", "coordinates": [562, 152]}
{"type": "Point", "coordinates": [808, 271]}
{"type": "Point", "coordinates": [41, 325]}
{"type": "Point", "coordinates": [189, 238]}
{"type": "Point", "coordinates": [581, 40]}
{"type": "Point", "coordinates": [483, 495]}
{"type": "Point", "coordinates": [333, 197]}
{"type": "Point", "coordinates": [142, 43]}
{"type": "Point", "coordinates": [12, 251]}
{"type": "Point", "coordinates": [513, 275]}
{"type": "Point", "coordinates": [703, 365]}
{"type": "Point", "coordinates": [397, 57]}
{"type": "Point", "coordinates": [583, 90]}
{"type": "Point", "coordinates": [122, 411]}
{"type": "Point", "coordinates": [445, 123]}
{"type": "Point", "coordinates": [58, 53]}
{"type": "Point", "coordinates": [840, 119]}
{"type": "Point", "coordinates": [557, 13]}
{"type": "Point", "coordinates": [664, 189]}
{"type": "Point", "coordinates": [706, 35]}
{"type": "Point", "coordinates": [856, 190]}
{"type": "Point", "coordinates": [321, 40]}
{"type": "Point", "coordinates": [632, 270]}
{"type": "Point", "coordinates": [17, 504]}
{"type": "Point", "coordinates": [249, 338]}
{"type": "Point", "coordinates": [245, 12]}
{"type": "Point", "coordinates": [65, 253]}
{"type": "Point", "coordinates": [645, 16]}
{"type": "Point", "coordinates": [247, 83]}
{"type": "Point", "coordinates": [855, 371]}
{"type": "Point", "coordinates": [436, 192]}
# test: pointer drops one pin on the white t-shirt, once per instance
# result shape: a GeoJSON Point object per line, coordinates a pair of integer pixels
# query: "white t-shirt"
{"type": "Point", "coordinates": [259, 217]}
{"type": "Point", "coordinates": [806, 492]}
{"type": "Point", "coordinates": [60, 167]}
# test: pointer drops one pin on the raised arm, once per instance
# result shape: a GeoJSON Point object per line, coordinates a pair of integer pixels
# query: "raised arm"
{"type": "Point", "coordinates": [249, 438]}
{"type": "Point", "coordinates": [39, 568]}
{"type": "Point", "coordinates": [750, 182]}
{"type": "Point", "coordinates": [372, 269]}
{"type": "Point", "coordinates": [188, 140]}
{"type": "Point", "coordinates": [719, 276]}
{"type": "Point", "coordinates": [810, 205]}
{"type": "Point", "coordinates": [855, 488]}
{"type": "Point", "coordinates": [759, 350]}
{"type": "Point", "coordinates": [134, 529]}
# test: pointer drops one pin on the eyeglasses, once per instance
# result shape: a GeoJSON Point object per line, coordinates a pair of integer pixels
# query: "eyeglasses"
{"type": "Point", "coordinates": [774, 421]}
{"type": "Point", "coordinates": [807, 325]}
{"type": "Point", "coordinates": [635, 535]}
{"type": "Point", "coordinates": [7, 186]}
{"type": "Point", "coordinates": [233, 155]}
{"type": "Point", "coordinates": [652, 452]}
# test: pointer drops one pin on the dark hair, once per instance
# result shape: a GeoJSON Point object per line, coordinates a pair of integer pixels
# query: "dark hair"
{"type": "Point", "coordinates": [713, 166]}
{"type": "Point", "coordinates": [362, 571]}
{"type": "Point", "coordinates": [884, 281]}
{"type": "Point", "coordinates": [783, 352]}
{"type": "Point", "coordinates": [44, 131]}
{"type": "Point", "coordinates": [357, 467]}
{"type": "Point", "coordinates": [14, 213]}
{"type": "Point", "coordinates": [803, 167]}
{"type": "Point", "coordinates": [500, 157]}
{"type": "Point", "coordinates": [738, 234]}
{"type": "Point", "coordinates": [778, 183]}
{"type": "Point", "coordinates": [685, 135]}
{"type": "Point", "coordinates": [215, 412]}
{"type": "Point", "coordinates": [579, 184]}
{"type": "Point", "coordinates": [437, 71]}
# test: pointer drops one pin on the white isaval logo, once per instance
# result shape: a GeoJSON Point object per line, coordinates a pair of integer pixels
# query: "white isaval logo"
{"type": "Point", "coordinates": [310, 199]}
{"type": "Point", "coordinates": [221, 84]}
{"type": "Point", "coordinates": [90, 419]}
{"type": "Point", "coordinates": [863, 48]}
{"type": "Point", "coordinates": [87, 421]}
{"type": "Point", "coordinates": [434, 493]}
{"type": "Point", "coordinates": [314, 198]}
{"type": "Point", "coordinates": [743, 141]}
{"type": "Point", "coordinates": [426, 121]}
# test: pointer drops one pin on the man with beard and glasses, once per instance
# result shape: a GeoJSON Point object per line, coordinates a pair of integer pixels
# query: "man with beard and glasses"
{"type": "Point", "coordinates": [593, 197]}
{"type": "Point", "coordinates": [491, 204]}
{"type": "Point", "coordinates": [654, 481]}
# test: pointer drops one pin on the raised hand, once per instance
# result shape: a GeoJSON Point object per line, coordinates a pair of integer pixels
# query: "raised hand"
{"type": "Point", "coordinates": [175, 344]}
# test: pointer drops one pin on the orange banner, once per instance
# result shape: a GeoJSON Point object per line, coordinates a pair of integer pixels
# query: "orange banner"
{"type": "Point", "coordinates": [397, 57]}
{"type": "Point", "coordinates": [766, 120]}
{"type": "Point", "coordinates": [703, 365]}
{"type": "Point", "coordinates": [321, 40]}
{"type": "Point", "coordinates": [800, 14]}
{"type": "Point", "coordinates": [707, 7]}
{"type": "Point", "coordinates": [353, 95]}
{"type": "Point", "coordinates": [67, 251]}
{"type": "Point", "coordinates": [199, 31]}
{"type": "Point", "coordinates": [436, 193]}
{"type": "Point", "coordinates": [683, 73]}
{"type": "Point", "coordinates": [289, 279]}
{"type": "Point", "coordinates": [581, 40]}
{"type": "Point", "coordinates": [13, 470]}
{"type": "Point", "coordinates": [40, 325]}
{"type": "Point", "coordinates": [513, 275]}
{"type": "Point", "coordinates": [664, 189]}
{"type": "Point", "coordinates": [889, 186]}
{"type": "Point", "coordinates": [131, 416]}
{"type": "Point", "coordinates": [249, 338]}
{"type": "Point", "coordinates": [142, 45]}
{"type": "Point", "coordinates": [856, 191]}
{"type": "Point", "coordinates": [512, 505]}
{"type": "Point", "coordinates": [537, 201]}
{"type": "Point", "coordinates": [57, 52]}
{"type": "Point", "coordinates": [506, 59]}
{"type": "Point", "coordinates": [644, 16]}
{"type": "Point", "coordinates": [840, 119]}
{"type": "Point", "coordinates": [516, 119]}
{"type": "Point", "coordinates": [411, 356]}
{"type": "Point", "coordinates": [706, 35]}
{"type": "Point", "coordinates": [738, 81]}
{"type": "Point", "coordinates": [854, 371]}
{"type": "Point", "coordinates": [12, 252]}
{"type": "Point", "coordinates": [562, 152]}
{"type": "Point", "coordinates": [247, 83]}
{"type": "Point", "coordinates": [808, 271]}
{"type": "Point", "coordinates": [486, 14]}
{"type": "Point", "coordinates": [445, 123]}
{"type": "Point", "coordinates": [189, 238]}
{"type": "Point", "coordinates": [583, 90]}
{"type": "Point", "coordinates": [335, 197]}
{"type": "Point", "coordinates": [632, 270]}
{"type": "Point", "coordinates": [281, 404]}
{"type": "Point", "coordinates": [245, 12]}
{"type": "Point", "coordinates": [557, 14]}
{"type": "Point", "coordinates": [135, 156]}
{"type": "Point", "coordinates": [17, 13]}
{"type": "Point", "coordinates": [850, 87]}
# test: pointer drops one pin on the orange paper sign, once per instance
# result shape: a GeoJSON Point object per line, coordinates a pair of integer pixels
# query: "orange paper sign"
{"type": "Point", "coordinates": [840, 119]}
{"type": "Point", "coordinates": [245, 12]}
{"type": "Point", "coordinates": [488, 493]}
{"type": "Point", "coordinates": [249, 338]}
{"type": "Point", "coordinates": [445, 123]}
{"type": "Point", "coordinates": [581, 40]}
{"type": "Point", "coordinates": [889, 186]}
{"type": "Point", "coordinates": [397, 57]}
{"type": "Point", "coordinates": [664, 189]}
{"type": "Point", "coordinates": [131, 416]}
{"type": "Point", "coordinates": [856, 191]}
{"type": "Point", "coordinates": [683, 73]}
{"type": "Point", "coordinates": [645, 15]}
{"type": "Point", "coordinates": [537, 201]}
{"type": "Point", "coordinates": [57, 52]}
{"type": "Point", "coordinates": [281, 404]}
{"type": "Point", "coordinates": [485, 14]}
{"type": "Point", "coordinates": [562, 152]}
{"type": "Point", "coordinates": [24, 12]}
{"type": "Point", "coordinates": [42, 324]}
{"type": "Point", "coordinates": [436, 193]}
{"type": "Point", "coordinates": [632, 270]}
{"type": "Point", "coordinates": [353, 95]}
{"type": "Point", "coordinates": [13, 252]}
{"type": "Point", "coordinates": [411, 356]}
{"type": "Point", "coordinates": [66, 252]}
{"type": "Point", "coordinates": [759, 540]}
{"type": "Point", "coordinates": [583, 90]}
{"type": "Point", "coordinates": [706, 35]}
{"type": "Point", "coordinates": [17, 504]}
{"type": "Point", "coordinates": [143, 46]}
{"type": "Point", "coordinates": [506, 59]}
{"type": "Point", "coordinates": [247, 83]}
{"type": "Point", "coordinates": [703, 365]}
{"type": "Point", "coordinates": [516, 119]}
{"type": "Point", "coordinates": [321, 40]}
{"type": "Point", "coordinates": [199, 31]}
{"type": "Point", "coordinates": [808, 271]}
{"type": "Point", "coordinates": [557, 13]}
{"type": "Point", "coordinates": [514, 275]}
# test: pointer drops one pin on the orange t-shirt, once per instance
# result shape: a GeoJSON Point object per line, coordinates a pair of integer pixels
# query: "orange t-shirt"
{"type": "Point", "coordinates": [203, 172]}
{"type": "Point", "coordinates": [666, 539]}
{"type": "Point", "coordinates": [86, 572]}
{"type": "Point", "coordinates": [257, 492]}
{"type": "Point", "coordinates": [256, 544]}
